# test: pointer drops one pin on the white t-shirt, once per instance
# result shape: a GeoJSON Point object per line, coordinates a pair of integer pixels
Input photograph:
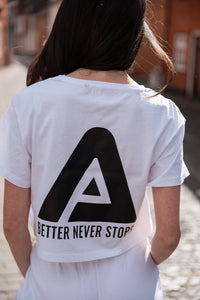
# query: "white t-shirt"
{"type": "Point", "coordinates": [88, 149]}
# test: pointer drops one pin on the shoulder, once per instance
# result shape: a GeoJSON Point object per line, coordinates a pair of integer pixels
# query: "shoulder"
{"type": "Point", "coordinates": [161, 107]}
{"type": "Point", "coordinates": [38, 91]}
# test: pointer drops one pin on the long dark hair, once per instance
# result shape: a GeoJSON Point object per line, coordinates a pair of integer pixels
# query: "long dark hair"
{"type": "Point", "coordinates": [92, 34]}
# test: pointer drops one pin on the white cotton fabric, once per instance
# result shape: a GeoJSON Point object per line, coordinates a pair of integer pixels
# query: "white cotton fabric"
{"type": "Point", "coordinates": [132, 276]}
{"type": "Point", "coordinates": [38, 135]}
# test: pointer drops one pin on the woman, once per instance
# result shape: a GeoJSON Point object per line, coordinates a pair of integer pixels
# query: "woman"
{"type": "Point", "coordinates": [80, 145]}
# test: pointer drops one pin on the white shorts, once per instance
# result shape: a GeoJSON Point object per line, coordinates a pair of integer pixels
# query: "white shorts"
{"type": "Point", "coordinates": [130, 276]}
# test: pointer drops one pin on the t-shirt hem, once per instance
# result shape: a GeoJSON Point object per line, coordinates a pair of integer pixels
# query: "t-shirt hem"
{"type": "Point", "coordinates": [167, 183]}
{"type": "Point", "coordinates": [89, 256]}
{"type": "Point", "coordinates": [8, 176]}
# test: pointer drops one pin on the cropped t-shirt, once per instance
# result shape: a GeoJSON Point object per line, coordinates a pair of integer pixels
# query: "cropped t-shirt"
{"type": "Point", "coordinates": [88, 150]}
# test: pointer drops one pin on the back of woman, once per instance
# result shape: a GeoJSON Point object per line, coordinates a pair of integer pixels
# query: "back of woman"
{"type": "Point", "coordinates": [81, 150]}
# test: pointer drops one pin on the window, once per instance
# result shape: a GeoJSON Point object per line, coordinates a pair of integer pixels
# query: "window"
{"type": "Point", "coordinates": [180, 51]}
{"type": "Point", "coordinates": [1, 40]}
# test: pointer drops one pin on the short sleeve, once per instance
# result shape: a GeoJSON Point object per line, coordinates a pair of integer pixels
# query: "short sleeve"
{"type": "Point", "coordinates": [15, 162]}
{"type": "Point", "coordinates": [168, 168]}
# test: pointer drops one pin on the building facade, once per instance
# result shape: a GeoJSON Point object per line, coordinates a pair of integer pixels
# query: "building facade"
{"type": "Point", "coordinates": [4, 57]}
{"type": "Point", "coordinates": [178, 23]}
{"type": "Point", "coordinates": [175, 22]}
{"type": "Point", "coordinates": [184, 36]}
{"type": "Point", "coordinates": [29, 24]}
{"type": "Point", "coordinates": [147, 68]}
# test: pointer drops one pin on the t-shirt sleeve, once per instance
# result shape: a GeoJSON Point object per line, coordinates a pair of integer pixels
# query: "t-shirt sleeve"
{"type": "Point", "coordinates": [15, 162]}
{"type": "Point", "coordinates": [168, 168]}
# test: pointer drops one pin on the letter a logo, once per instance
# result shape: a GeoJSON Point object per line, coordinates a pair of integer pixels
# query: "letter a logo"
{"type": "Point", "coordinates": [96, 148]}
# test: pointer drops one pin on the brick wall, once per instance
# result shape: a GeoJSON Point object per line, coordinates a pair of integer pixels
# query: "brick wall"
{"type": "Point", "coordinates": [146, 60]}
{"type": "Point", "coordinates": [3, 33]}
{"type": "Point", "coordinates": [184, 36]}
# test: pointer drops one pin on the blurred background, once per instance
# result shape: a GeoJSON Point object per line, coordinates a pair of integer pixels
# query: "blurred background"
{"type": "Point", "coordinates": [24, 27]}
{"type": "Point", "coordinates": [26, 24]}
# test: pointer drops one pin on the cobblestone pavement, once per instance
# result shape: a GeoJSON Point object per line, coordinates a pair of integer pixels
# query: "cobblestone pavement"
{"type": "Point", "coordinates": [180, 274]}
{"type": "Point", "coordinates": [12, 79]}
{"type": "Point", "coordinates": [191, 110]}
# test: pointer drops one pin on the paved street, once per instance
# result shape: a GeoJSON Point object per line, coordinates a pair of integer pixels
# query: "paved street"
{"type": "Point", "coordinates": [180, 274]}
{"type": "Point", "coordinates": [191, 110]}
{"type": "Point", "coordinates": [12, 79]}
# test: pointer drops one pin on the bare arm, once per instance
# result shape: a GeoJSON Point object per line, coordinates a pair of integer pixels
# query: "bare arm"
{"type": "Point", "coordinates": [16, 211]}
{"type": "Point", "coordinates": [167, 235]}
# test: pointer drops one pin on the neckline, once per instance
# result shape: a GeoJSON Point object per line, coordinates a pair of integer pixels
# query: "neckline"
{"type": "Point", "coordinates": [100, 83]}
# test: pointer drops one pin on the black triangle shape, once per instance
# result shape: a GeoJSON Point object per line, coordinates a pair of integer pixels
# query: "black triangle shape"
{"type": "Point", "coordinates": [96, 143]}
{"type": "Point", "coordinates": [92, 189]}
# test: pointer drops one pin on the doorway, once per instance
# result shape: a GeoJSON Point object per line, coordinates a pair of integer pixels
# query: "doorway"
{"type": "Point", "coordinates": [196, 91]}
{"type": "Point", "coordinates": [193, 78]}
